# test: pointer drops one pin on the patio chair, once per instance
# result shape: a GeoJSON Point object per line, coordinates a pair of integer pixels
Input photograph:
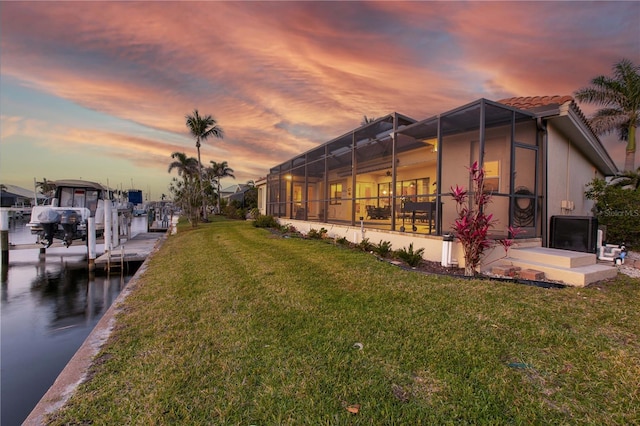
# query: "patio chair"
{"type": "Point", "coordinates": [371, 212]}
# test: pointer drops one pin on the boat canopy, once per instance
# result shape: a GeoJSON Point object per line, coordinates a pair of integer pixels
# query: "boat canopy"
{"type": "Point", "coordinates": [77, 183]}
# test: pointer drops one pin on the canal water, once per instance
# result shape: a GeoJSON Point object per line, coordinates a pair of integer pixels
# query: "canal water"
{"type": "Point", "coordinates": [48, 309]}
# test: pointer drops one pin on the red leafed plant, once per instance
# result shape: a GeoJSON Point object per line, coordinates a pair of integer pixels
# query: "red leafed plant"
{"type": "Point", "coordinates": [506, 243]}
{"type": "Point", "coordinates": [472, 225]}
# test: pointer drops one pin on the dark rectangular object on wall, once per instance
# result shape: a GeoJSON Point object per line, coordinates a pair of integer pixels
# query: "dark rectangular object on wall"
{"type": "Point", "coordinates": [135, 196]}
{"type": "Point", "coordinates": [577, 233]}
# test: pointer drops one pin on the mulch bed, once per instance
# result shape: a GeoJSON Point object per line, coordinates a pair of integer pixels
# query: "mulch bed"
{"type": "Point", "coordinates": [430, 267]}
{"type": "Point", "coordinates": [437, 268]}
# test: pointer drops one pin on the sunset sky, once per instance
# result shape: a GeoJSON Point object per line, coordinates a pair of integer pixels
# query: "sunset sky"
{"type": "Point", "coordinates": [100, 90]}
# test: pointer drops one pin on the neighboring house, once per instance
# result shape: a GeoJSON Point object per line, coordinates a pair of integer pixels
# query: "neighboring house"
{"type": "Point", "coordinates": [235, 192]}
{"type": "Point", "coordinates": [261, 187]}
{"type": "Point", "coordinates": [396, 174]}
{"type": "Point", "coordinates": [13, 195]}
{"type": "Point", "coordinates": [8, 199]}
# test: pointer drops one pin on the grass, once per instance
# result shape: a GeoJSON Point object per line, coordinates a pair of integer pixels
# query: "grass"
{"type": "Point", "coordinates": [232, 325]}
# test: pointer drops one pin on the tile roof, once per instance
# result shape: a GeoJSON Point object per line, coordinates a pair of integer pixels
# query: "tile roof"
{"type": "Point", "coordinates": [25, 193]}
{"type": "Point", "coordinates": [549, 106]}
{"type": "Point", "coordinates": [535, 102]}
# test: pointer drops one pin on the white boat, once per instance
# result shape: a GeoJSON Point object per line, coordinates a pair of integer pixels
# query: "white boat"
{"type": "Point", "coordinates": [66, 217]}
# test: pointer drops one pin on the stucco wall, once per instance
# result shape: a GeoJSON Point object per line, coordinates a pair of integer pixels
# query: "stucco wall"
{"type": "Point", "coordinates": [262, 196]}
{"type": "Point", "coordinates": [568, 174]}
{"type": "Point", "coordinates": [432, 245]}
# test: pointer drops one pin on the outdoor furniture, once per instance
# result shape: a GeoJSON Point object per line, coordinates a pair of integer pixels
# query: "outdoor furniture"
{"type": "Point", "coordinates": [384, 212]}
{"type": "Point", "coordinates": [374, 212]}
{"type": "Point", "coordinates": [422, 211]}
{"type": "Point", "coordinates": [370, 211]}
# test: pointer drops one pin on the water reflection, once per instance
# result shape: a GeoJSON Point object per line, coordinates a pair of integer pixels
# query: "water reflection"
{"type": "Point", "coordinates": [49, 306]}
{"type": "Point", "coordinates": [74, 295]}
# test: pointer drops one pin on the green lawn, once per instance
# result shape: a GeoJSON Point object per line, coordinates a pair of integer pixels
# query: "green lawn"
{"type": "Point", "coordinates": [233, 325]}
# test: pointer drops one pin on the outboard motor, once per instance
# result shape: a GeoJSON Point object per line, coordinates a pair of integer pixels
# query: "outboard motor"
{"type": "Point", "coordinates": [69, 220]}
{"type": "Point", "coordinates": [49, 220]}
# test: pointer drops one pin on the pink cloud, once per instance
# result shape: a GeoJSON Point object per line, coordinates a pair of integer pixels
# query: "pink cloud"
{"type": "Point", "coordinates": [281, 78]}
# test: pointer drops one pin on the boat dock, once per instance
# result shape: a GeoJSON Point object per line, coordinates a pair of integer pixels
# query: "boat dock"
{"type": "Point", "coordinates": [136, 249]}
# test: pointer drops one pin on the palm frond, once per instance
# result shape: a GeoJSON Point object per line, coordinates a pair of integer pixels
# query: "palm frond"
{"type": "Point", "coordinates": [620, 97]}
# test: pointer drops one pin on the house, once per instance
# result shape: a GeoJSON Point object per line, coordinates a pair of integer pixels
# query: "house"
{"type": "Point", "coordinates": [14, 195]}
{"type": "Point", "coordinates": [391, 179]}
{"type": "Point", "coordinates": [18, 201]}
{"type": "Point", "coordinates": [235, 192]}
{"type": "Point", "coordinates": [8, 199]}
{"type": "Point", "coordinates": [261, 187]}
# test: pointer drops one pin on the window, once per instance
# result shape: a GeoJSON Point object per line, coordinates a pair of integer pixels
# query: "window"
{"type": "Point", "coordinates": [335, 193]}
{"type": "Point", "coordinates": [384, 194]}
{"type": "Point", "coordinates": [492, 176]}
{"type": "Point", "coordinates": [66, 197]}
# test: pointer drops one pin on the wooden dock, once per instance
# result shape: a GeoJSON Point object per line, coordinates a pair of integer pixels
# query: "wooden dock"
{"type": "Point", "coordinates": [137, 249]}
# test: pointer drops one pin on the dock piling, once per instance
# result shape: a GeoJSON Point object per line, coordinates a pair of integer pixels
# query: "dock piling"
{"type": "Point", "coordinates": [115, 231]}
{"type": "Point", "coordinates": [91, 243]}
{"type": "Point", "coordinates": [107, 227]}
{"type": "Point", "coordinates": [4, 237]}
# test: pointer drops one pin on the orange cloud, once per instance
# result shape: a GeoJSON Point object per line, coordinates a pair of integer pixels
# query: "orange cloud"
{"type": "Point", "coordinates": [281, 78]}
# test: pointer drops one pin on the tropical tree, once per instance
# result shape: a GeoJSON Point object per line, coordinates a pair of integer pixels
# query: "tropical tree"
{"type": "Point", "coordinates": [620, 98]}
{"type": "Point", "coordinates": [219, 171]}
{"type": "Point", "coordinates": [627, 180]}
{"type": "Point", "coordinates": [617, 206]}
{"type": "Point", "coordinates": [367, 120]}
{"type": "Point", "coordinates": [202, 128]}
{"type": "Point", "coordinates": [187, 197]}
{"type": "Point", "coordinates": [251, 195]}
{"type": "Point", "coordinates": [187, 167]}
{"type": "Point", "coordinates": [46, 187]}
{"type": "Point", "coordinates": [186, 191]}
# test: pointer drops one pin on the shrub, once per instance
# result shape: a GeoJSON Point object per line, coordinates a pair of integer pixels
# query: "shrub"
{"type": "Point", "coordinates": [472, 225]}
{"type": "Point", "coordinates": [289, 229]}
{"type": "Point", "coordinates": [342, 241]}
{"type": "Point", "coordinates": [383, 249]}
{"type": "Point", "coordinates": [266, 221]}
{"type": "Point", "coordinates": [365, 245]}
{"type": "Point", "coordinates": [254, 213]}
{"type": "Point", "coordinates": [411, 257]}
{"type": "Point", "coordinates": [618, 208]}
{"type": "Point", "coordinates": [315, 234]}
{"type": "Point", "coordinates": [232, 212]}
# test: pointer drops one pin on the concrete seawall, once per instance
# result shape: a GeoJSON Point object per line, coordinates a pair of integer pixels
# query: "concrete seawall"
{"type": "Point", "coordinates": [75, 372]}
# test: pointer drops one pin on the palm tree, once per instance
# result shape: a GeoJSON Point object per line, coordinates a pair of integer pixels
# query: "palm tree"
{"type": "Point", "coordinates": [620, 98]}
{"type": "Point", "coordinates": [367, 120]}
{"type": "Point", "coordinates": [186, 191]}
{"type": "Point", "coordinates": [46, 187]}
{"type": "Point", "coordinates": [219, 171]}
{"type": "Point", "coordinates": [187, 166]}
{"type": "Point", "coordinates": [627, 180]}
{"type": "Point", "coordinates": [202, 128]}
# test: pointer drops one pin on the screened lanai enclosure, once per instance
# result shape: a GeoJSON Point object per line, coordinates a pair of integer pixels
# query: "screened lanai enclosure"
{"type": "Point", "coordinates": [396, 174]}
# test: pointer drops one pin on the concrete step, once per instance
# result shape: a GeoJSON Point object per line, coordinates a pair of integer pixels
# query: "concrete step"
{"type": "Point", "coordinates": [554, 257]}
{"type": "Point", "coordinates": [578, 276]}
